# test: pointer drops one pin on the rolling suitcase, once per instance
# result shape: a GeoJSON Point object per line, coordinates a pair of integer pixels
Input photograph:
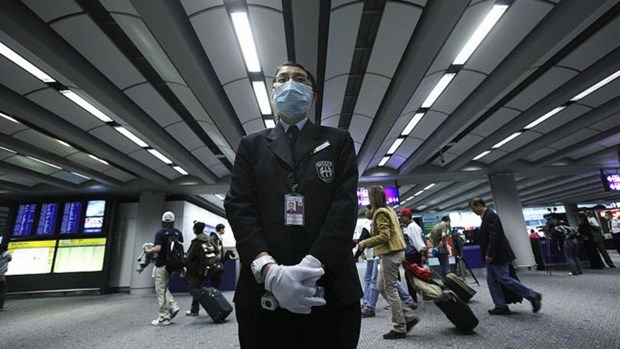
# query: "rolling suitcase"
{"type": "Point", "coordinates": [458, 312]}
{"type": "Point", "coordinates": [459, 286]}
{"type": "Point", "coordinates": [214, 303]}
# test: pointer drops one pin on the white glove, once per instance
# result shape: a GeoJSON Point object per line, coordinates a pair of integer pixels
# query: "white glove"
{"type": "Point", "coordinates": [295, 285]}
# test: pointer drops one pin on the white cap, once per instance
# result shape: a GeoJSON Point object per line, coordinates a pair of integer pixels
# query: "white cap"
{"type": "Point", "coordinates": [167, 217]}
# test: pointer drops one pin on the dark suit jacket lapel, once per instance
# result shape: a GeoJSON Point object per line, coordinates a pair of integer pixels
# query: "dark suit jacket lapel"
{"type": "Point", "coordinates": [279, 145]}
{"type": "Point", "coordinates": [308, 138]}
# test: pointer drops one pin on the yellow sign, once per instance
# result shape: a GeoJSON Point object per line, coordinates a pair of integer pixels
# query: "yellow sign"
{"type": "Point", "coordinates": [81, 242]}
{"type": "Point", "coordinates": [32, 244]}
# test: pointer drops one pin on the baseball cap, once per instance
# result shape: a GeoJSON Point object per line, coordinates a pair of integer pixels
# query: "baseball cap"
{"type": "Point", "coordinates": [405, 212]}
{"type": "Point", "coordinates": [167, 217]}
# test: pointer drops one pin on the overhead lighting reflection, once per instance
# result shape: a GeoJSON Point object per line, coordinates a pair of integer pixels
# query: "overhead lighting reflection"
{"type": "Point", "coordinates": [8, 118]}
{"type": "Point", "coordinates": [481, 32]}
{"type": "Point", "coordinates": [596, 86]}
{"type": "Point", "coordinates": [544, 117]}
{"type": "Point", "coordinates": [132, 137]}
{"type": "Point", "coordinates": [260, 91]}
{"type": "Point", "coordinates": [24, 64]}
{"type": "Point", "coordinates": [85, 105]}
{"type": "Point", "coordinates": [246, 40]}
{"type": "Point", "coordinates": [506, 140]}
{"type": "Point", "coordinates": [160, 156]}
{"type": "Point", "coordinates": [438, 89]}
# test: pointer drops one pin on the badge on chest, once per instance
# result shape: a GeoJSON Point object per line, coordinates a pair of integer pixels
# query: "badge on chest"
{"type": "Point", "coordinates": [294, 209]}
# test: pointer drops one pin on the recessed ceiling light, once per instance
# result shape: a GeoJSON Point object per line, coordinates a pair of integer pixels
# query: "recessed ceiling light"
{"type": "Point", "coordinates": [506, 140]}
{"type": "Point", "coordinates": [85, 105]}
{"type": "Point", "coordinates": [9, 118]}
{"type": "Point", "coordinates": [438, 89]}
{"type": "Point", "coordinates": [44, 162]}
{"type": "Point", "coordinates": [96, 158]}
{"type": "Point", "coordinates": [395, 146]}
{"type": "Point", "coordinates": [481, 32]}
{"type": "Point", "coordinates": [132, 137]}
{"type": "Point", "coordinates": [24, 64]}
{"type": "Point", "coordinates": [180, 170]}
{"type": "Point", "coordinates": [260, 91]}
{"type": "Point", "coordinates": [246, 40]}
{"type": "Point", "coordinates": [160, 156]}
{"type": "Point", "coordinates": [481, 155]}
{"type": "Point", "coordinates": [412, 124]}
{"type": "Point", "coordinates": [544, 117]}
{"type": "Point", "coordinates": [384, 161]}
{"type": "Point", "coordinates": [596, 86]}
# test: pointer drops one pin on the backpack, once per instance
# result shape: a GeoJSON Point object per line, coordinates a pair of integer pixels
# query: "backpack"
{"type": "Point", "coordinates": [210, 256]}
{"type": "Point", "coordinates": [411, 254]}
{"type": "Point", "coordinates": [175, 254]}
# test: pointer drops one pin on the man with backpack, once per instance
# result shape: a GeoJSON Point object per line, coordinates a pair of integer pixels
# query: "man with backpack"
{"type": "Point", "coordinates": [169, 248]}
{"type": "Point", "coordinates": [201, 255]}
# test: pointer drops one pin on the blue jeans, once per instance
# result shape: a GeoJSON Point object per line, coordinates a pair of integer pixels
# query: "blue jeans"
{"type": "Point", "coordinates": [571, 253]}
{"type": "Point", "coordinates": [497, 275]}
{"type": "Point", "coordinates": [444, 262]}
{"type": "Point", "coordinates": [371, 294]}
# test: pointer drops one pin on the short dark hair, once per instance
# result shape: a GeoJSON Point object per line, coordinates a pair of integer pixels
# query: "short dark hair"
{"type": "Point", "coordinates": [315, 87]}
{"type": "Point", "coordinates": [220, 227]}
{"type": "Point", "coordinates": [477, 201]}
{"type": "Point", "coordinates": [445, 219]}
{"type": "Point", "coordinates": [199, 227]}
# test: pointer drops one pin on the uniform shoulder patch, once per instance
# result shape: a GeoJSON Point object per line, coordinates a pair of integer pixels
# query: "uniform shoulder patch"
{"type": "Point", "coordinates": [325, 170]}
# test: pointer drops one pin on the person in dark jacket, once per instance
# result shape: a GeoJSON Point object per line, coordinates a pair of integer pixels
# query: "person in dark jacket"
{"type": "Point", "coordinates": [289, 255]}
{"type": "Point", "coordinates": [498, 254]}
{"type": "Point", "coordinates": [196, 264]}
{"type": "Point", "coordinates": [588, 232]}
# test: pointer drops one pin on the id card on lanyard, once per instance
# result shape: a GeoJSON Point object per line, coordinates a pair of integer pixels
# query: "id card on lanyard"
{"type": "Point", "coordinates": [294, 208]}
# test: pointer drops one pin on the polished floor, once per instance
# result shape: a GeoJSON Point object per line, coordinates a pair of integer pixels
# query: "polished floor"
{"type": "Point", "coordinates": [578, 312]}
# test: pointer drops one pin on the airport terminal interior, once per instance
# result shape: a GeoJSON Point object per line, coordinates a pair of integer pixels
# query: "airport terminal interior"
{"type": "Point", "coordinates": [115, 111]}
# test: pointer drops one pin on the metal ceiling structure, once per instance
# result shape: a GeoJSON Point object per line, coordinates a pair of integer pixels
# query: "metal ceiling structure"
{"type": "Point", "coordinates": [172, 75]}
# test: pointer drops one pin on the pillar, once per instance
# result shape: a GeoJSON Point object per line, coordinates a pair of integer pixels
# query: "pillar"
{"type": "Point", "coordinates": [150, 208]}
{"type": "Point", "coordinates": [571, 216]}
{"type": "Point", "coordinates": [510, 212]}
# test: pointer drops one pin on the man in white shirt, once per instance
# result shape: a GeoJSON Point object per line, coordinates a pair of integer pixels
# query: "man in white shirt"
{"type": "Point", "coordinates": [414, 233]}
{"type": "Point", "coordinates": [614, 229]}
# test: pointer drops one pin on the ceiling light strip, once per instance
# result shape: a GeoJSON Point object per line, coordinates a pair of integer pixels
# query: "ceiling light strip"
{"type": "Point", "coordinates": [395, 146]}
{"type": "Point", "coordinates": [544, 117]}
{"type": "Point", "coordinates": [160, 156]}
{"type": "Point", "coordinates": [9, 118]}
{"type": "Point", "coordinates": [81, 175]}
{"type": "Point", "coordinates": [246, 40]}
{"type": "Point", "coordinates": [8, 150]}
{"type": "Point", "coordinates": [100, 160]}
{"type": "Point", "coordinates": [438, 89]}
{"type": "Point", "coordinates": [507, 139]}
{"type": "Point", "coordinates": [132, 137]}
{"type": "Point", "coordinates": [481, 32]}
{"type": "Point", "coordinates": [24, 64]}
{"type": "Point", "coordinates": [180, 170]}
{"type": "Point", "coordinates": [429, 186]}
{"type": "Point", "coordinates": [270, 123]}
{"type": "Point", "coordinates": [85, 105]}
{"type": "Point", "coordinates": [481, 155]}
{"type": "Point", "coordinates": [44, 162]}
{"type": "Point", "coordinates": [260, 91]}
{"type": "Point", "coordinates": [412, 124]}
{"type": "Point", "coordinates": [384, 161]}
{"type": "Point", "coordinates": [596, 86]}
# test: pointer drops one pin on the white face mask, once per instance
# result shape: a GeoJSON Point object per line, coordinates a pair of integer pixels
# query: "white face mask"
{"type": "Point", "coordinates": [292, 99]}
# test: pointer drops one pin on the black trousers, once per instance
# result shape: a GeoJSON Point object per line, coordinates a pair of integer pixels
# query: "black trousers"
{"type": "Point", "coordinates": [195, 283]}
{"type": "Point", "coordinates": [323, 328]}
{"type": "Point", "coordinates": [2, 292]}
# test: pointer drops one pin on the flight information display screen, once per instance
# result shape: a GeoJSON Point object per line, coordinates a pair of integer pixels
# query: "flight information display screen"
{"type": "Point", "coordinates": [93, 223]}
{"type": "Point", "coordinates": [24, 220]}
{"type": "Point", "coordinates": [80, 255]}
{"type": "Point", "coordinates": [31, 257]}
{"type": "Point", "coordinates": [71, 218]}
{"type": "Point", "coordinates": [47, 219]}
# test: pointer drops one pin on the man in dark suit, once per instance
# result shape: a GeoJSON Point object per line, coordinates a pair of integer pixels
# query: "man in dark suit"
{"type": "Point", "coordinates": [498, 255]}
{"type": "Point", "coordinates": [290, 257]}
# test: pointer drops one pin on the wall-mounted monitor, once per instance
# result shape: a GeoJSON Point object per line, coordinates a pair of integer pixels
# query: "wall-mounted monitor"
{"type": "Point", "coordinates": [71, 217]}
{"type": "Point", "coordinates": [47, 219]}
{"type": "Point", "coordinates": [31, 257]}
{"type": "Point", "coordinates": [80, 255]}
{"type": "Point", "coordinates": [93, 223]}
{"type": "Point", "coordinates": [24, 220]}
{"type": "Point", "coordinates": [611, 179]}
{"type": "Point", "coordinates": [391, 196]}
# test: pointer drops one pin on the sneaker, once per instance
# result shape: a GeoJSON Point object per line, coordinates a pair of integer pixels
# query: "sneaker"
{"type": "Point", "coordinates": [500, 311]}
{"type": "Point", "coordinates": [394, 335]}
{"type": "Point", "coordinates": [412, 323]}
{"type": "Point", "coordinates": [536, 302]}
{"type": "Point", "coordinates": [173, 312]}
{"type": "Point", "coordinates": [368, 313]}
{"type": "Point", "coordinates": [160, 322]}
{"type": "Point", "coordinates": [190, 313]}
